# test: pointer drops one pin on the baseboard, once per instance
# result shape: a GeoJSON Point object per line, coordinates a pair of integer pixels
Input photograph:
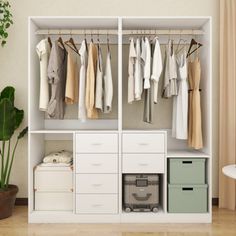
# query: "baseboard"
{"type": "Point", "coordinates": [21, 202]}
{"type": "Point", "coordinates": [24, 202]}
{"type": "Point", "coordinates": [215, 201]}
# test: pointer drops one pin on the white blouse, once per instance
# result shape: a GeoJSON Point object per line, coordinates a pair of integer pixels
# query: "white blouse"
{"type": "Point", "coordinates": [43, 51]}
{"type": "Point", "coordinates": [156, 68]}
{"type": "Point", "coordinates": [82, 81]}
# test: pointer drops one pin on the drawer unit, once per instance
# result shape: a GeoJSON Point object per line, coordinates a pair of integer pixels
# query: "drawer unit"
{"type": "Point", "coordinates": [187, 198]}
{"type": "Point", "coordinates": [96, 183]}
{"type": "Point", "coordinates": [53, 201]}
{"type": "Point", "coordinates": [96, 163]}
{"type": "Point", "coordinates": [96, 143]}
{"type": "Point", "coordinates": [143, 143]}
{"type": "Point", "coordinates": [143, 163]}
{"type": "Point", "coordinates": [53, 179]}
{"type": "Point", "coordinates": [186, 171]}
{"type": "Point", "coordinates": [96, 203]}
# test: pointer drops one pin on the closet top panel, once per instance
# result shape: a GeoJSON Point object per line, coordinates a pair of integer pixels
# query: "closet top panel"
{"type": "Point", "coordinates": [75, 22]}
{"type": "Point", "coordinates": [164, 23]}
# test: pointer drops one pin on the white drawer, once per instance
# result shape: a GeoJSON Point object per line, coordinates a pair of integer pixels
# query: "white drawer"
{"type": "Point", "coordinates": [143, 163]}
{"type": "Point", "coordinates": [60, 201]}
{"type": "Point", "coordinates": [96, 204]}
{"type": "Point", "coordinates": [96, 163]}
{"type": "Point", "coordinates": [143, 143]}
{"type": "Point", "coordinates": [96, 143]}
{"type": "Point", "coordinates": [96, 183]}
{"type": "Point", "coordinates": [53, 180]}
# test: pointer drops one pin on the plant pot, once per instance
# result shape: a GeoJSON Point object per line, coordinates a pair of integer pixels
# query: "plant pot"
{"type": "Point", "coordinates": [7, 201]}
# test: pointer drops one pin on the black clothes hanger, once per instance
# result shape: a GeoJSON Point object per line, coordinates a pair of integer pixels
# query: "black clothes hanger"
{"type": "Point", "coordinates": [108, 44]}
{"type": "Point", "coordinates": [71, 44]}
{"type": "Point", "coordinates": [60, 41]}
{"type": "Point", "coordinates": [49, 40]}
{"type": "Point", "coordinates": [192, 43]}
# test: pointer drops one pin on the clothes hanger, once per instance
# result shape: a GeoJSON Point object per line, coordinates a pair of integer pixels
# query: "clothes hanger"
{"type": "Point", "coordinates": [91, 37]}
{"type": "Point", "coordinates": [49, 40]}
{"type": "Point", "coordinates": [60, 41]}
{"type": "Point", "coordinates": [192, 43]}
{"type": "Point", "coordinates": [71, 44]}
{"type": "Point", "coordinates": [177, 51]}
{"type": "Point", "coordinates": [108, 44]}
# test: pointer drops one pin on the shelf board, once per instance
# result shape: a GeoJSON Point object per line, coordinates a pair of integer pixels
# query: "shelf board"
{"type": "Point", "coordinates": [69, 131]}
{"type": "Point", "coordinates": [186, 153]}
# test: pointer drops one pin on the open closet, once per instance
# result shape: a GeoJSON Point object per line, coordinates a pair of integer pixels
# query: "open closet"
{"type": "Point", "coordinates": [135, 147]}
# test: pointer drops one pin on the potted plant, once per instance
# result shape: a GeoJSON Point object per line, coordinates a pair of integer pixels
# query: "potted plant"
{"type": "Point", "coordinates": [10, 119]}
{"type": "Point", "coordinates": [5, 20]}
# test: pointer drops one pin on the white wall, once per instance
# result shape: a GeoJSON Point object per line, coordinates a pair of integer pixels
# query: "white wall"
{"type": "Point", "coordinates": [13, 58]}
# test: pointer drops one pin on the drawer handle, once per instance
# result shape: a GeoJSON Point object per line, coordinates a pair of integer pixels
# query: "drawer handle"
{"type": "Point", "coordinates": [96, 185]}
{"type": "Point", "coordinates": [139, 198]}
{"type": "Point", "coordinates": [187, 189]}
{"type": "Point", "coordinates": [97, 205]}
{"type": "Point", "coordinates": [187, 162]}
{"type": "Point", "coordinates": [96, 164]}
{"type": "Point", "coordinates": [143, 164]}
{"type": "Point", "coordinates": [143, 144]}
{"type": "Point", "coordinates": [96, 144]}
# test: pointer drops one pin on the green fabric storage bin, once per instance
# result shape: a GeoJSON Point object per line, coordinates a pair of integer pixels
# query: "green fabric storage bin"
{"type": "Point", "coordinates": [187, 198]}
{"type": "Point", "coordinates": [186, 171]}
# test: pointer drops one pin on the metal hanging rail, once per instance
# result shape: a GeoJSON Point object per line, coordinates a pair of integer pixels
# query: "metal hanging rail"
{"type": "Point", "coordinates": [115, 32]}
{"type": "Point", "coordinates": [76, 32]}
{"type": "Point", "coordinates": [163, 32]}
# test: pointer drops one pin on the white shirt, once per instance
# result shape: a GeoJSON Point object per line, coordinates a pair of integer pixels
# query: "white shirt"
{"type": "Point", "coordinates": [43, 51]}
{"type": "Point", "coordinates": [108, 85]}
{"type": "Point", "coordinates": [99, 82]}
{"type": "Point", "coordinates": [132, 58]}
{"type": "Point", "coordinates": [82, 81]}
{"type": "Point", "coordinates": [156, 68]}
{"type": "Point", "coordinates": [138, 77]}
{"type": "Point", "coordinates": [146, 57]}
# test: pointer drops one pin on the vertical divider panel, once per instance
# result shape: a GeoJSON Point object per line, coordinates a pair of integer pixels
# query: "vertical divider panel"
{"type": "Point", "coordinates": [74, 172]}
{"type": "Point", "coordinates": [120, 112]}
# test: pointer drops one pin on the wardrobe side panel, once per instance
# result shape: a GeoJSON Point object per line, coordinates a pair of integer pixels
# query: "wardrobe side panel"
{"type": "Point", "coordinates": [206, 86]}
{"type": "Point", "coordinates": [36, 117]}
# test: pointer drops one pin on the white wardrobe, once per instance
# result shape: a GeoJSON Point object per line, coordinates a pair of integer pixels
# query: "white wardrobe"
{"type": "Point", "coordinates": [119, 142]}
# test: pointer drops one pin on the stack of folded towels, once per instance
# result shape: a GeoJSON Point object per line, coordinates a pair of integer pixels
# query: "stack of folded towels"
{"type": "Point", "coordinates": [61, 158]}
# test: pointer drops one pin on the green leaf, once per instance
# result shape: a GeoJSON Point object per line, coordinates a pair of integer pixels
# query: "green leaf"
{"type": "Point", "coordinates": [7, 119]}
{"type": "Point", "coordinates": [23, 133]}
{"type": "Point", "coordinates": [8, 92]}
{"type": "Point", "coordinates": [19, 117]}
{"type": "Point", "coordinates": [7, 25]}
{"type": "Point", "coordinates": [3, 43]}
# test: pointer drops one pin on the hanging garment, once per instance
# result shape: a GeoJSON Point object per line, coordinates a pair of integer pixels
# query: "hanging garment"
{"type": "Point", "coordinates": [156, 68]}
{"type": "Point", "coordinates": [57, 79]}
{"type": "Point", "coordinates": [82, 81]}
{"type": "Point", "coordinates": [138, 76]}
{"type": "Point", "coordinates": [180, 102]}
{"type": "Point", "coordinates": [132, 58]}
{"type": "Point", "coordinates": [194, 119]}
{"type": "Point", "coordinates": [146, 61]}
{"type": "Point", "coordinates": [43, 51]}
{"type": "Point", "coordinates": [108, 85]}
{"type": "Point", "coordinates": [170, 73]}
{"type": "Point", "coordinates": [99, 82]}
{"type": "Point", "coordinates": [72, 77]}
{"type": "Point", "coordinates": [92, 112]}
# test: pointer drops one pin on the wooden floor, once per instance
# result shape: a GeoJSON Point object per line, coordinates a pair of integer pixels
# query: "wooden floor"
{"type": "Point", "coordinates": [224, 224]}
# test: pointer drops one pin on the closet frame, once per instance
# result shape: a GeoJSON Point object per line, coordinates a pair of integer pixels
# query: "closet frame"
{"type": "Point", "coordinates": [41, 130]}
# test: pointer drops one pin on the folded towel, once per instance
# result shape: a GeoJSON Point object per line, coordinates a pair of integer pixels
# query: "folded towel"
{"type": "Point", "coordinates": [55, 164]}
{"type": "Point", "coordinates": [59, 157]}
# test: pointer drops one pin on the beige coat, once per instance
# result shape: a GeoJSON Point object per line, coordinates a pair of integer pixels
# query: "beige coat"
{"type": "Point", "coordinates": [194, 119]}
{"type": "Point", "coordinates": [92, 112]}
{"type": "Point", "coordinates": [72, 77]}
